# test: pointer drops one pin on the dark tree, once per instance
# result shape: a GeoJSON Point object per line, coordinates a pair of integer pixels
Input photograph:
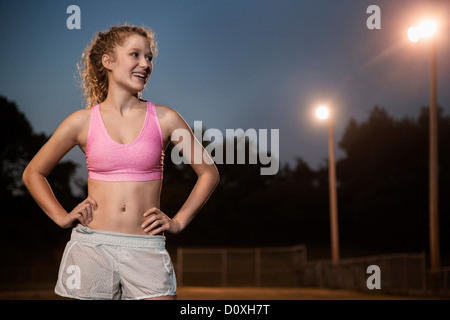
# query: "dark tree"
{"type": "Point", "coordinates": [383, 181]}
{"type": "Point", "coordinates": [28, 235]}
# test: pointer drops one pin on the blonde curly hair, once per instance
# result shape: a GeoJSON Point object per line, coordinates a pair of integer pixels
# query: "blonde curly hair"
{"type": "Point", "coordinates": [94, 78]}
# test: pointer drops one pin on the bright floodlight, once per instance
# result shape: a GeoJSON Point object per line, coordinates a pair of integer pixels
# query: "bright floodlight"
{"type": "Point", "coordinates": [322, 112]}
{"type": "Point", "coordinates": [427, 28]}
{"type": "Point", "coordinates": [413, 34]}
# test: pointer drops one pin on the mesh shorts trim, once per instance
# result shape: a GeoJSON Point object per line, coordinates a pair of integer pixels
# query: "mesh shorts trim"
{"type": "Point", "coordinates": [110, 265]}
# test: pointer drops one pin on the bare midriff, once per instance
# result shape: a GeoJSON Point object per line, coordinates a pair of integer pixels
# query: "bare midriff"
{"type": "Point", "coordinates": [121, 204]}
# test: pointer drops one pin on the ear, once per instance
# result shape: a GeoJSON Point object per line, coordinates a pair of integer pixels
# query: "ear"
{"type": "Point", "coordinates": [107, 62]}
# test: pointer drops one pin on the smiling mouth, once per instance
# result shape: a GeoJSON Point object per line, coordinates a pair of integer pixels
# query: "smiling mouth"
{"type": "Point", "coordinates": [141, 76]}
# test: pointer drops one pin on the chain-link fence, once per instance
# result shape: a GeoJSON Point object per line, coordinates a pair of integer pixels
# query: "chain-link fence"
{"type": "Point", "coordinates": [404, 274]}
{"type": "Point", "coordinates": [270, 266]}
{"type": "Point", "coordinates": [401, 274]}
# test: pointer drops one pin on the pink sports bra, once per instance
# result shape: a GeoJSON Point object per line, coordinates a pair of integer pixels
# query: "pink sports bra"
{"type": "Point", "coordinates": [140, 160]}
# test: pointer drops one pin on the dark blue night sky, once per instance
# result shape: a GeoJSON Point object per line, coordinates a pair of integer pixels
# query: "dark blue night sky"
{"type": "Point", "coordinates": [236, 64]}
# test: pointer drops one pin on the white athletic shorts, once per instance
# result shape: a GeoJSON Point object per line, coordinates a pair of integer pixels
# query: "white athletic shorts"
{"type": "Point", "coordinates": [115, 266]}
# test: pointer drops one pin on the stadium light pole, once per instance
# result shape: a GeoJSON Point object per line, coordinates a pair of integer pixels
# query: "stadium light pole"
{"type": "Point", "coordinates": [426, 29]}
{"type": "Point", "coordinates": [324, 113]}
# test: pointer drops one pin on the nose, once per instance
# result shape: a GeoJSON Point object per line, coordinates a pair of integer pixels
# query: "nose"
{"type": "Point", "coordinates": [145, 64]}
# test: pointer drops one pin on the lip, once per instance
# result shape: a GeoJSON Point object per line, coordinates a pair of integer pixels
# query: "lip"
{"type": "Point", "coordinates": [144, 74]}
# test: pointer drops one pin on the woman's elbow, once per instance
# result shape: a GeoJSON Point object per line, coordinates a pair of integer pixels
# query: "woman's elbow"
{"type": "Point", "coordinates": [215, 177]}
{"type": "Point", "coordinates": [210, 177]}
{"type": "Point", "coordinates": [26, 176]}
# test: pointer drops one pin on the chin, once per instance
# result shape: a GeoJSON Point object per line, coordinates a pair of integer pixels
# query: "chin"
{"type": "Point", "coordinates": [136, 91]}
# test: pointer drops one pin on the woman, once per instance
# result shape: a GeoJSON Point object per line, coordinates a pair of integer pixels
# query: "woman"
{"type": "Point", "coordinates": [117, 247]}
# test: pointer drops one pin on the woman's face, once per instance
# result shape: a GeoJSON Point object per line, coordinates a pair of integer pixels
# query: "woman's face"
{"type": "Point", "coordinates": [132, 64]}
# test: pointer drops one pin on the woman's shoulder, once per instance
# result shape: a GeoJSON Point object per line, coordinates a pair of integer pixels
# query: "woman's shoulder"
{"type": "Point", "coordinates": [163, 109]}
{"type": "Point", "coordinates": [77, 119]}
{"type": "Point", "coordinates": [169, 116]}
{"type": "Point", "coordinates": [73, 125]}
{"type": "Point", "coordinates": [166, 112]}
{"type": "Point", "coordinates": [80, 116]}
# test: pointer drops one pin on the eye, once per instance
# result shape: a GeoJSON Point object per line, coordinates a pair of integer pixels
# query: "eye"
{"type": "Point", "coordinates": [149, 58]}
{"type": "Point", "coordinates": [134, 54]}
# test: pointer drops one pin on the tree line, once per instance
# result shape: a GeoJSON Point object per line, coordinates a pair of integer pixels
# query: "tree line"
{"type": "Point", "coordinates": [382, 194]}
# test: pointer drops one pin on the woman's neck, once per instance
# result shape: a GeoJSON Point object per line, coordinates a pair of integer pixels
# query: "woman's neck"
{"type": "Point", "coordinates": [120, 101]}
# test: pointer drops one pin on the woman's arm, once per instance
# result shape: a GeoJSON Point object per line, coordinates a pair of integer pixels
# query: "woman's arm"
{"type": "Point", "coordinates": [207, 178]}
{"type": "Point", "coordinates": [35, 174]}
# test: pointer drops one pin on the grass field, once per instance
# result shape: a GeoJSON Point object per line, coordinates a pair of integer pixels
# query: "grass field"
{"type": "Point", "coordinates": [236, 293]}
